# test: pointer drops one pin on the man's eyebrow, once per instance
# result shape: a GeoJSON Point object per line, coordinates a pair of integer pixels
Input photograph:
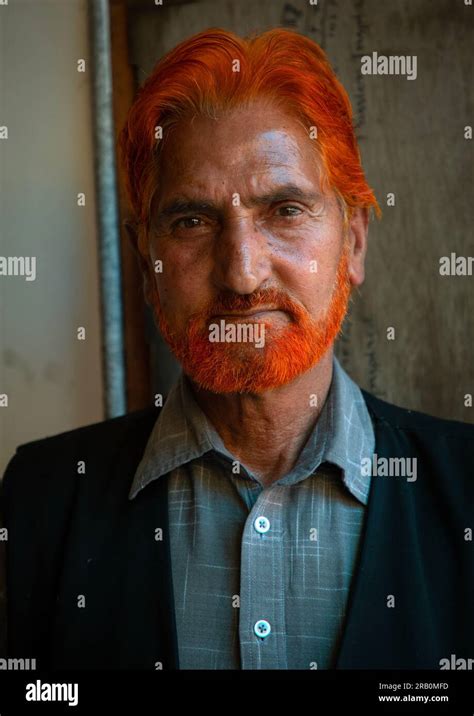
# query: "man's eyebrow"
{"type": "Point", "coordinates": [186, 206]}
{"type": "Point", "coordinates": [287, 192]}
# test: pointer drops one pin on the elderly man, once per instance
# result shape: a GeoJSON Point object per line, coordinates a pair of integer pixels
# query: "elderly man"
{"type": "Point", "coordinates": [272, 515]}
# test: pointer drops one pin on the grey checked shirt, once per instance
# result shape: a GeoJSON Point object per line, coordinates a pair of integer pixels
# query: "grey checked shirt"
{"type": "Point", "coordinates": [261, 575]}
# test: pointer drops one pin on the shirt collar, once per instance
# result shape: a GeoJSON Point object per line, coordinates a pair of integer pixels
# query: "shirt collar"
{"type": "Point", "coordinates": [350, 432]}
{"type": "Point", "coordinates": [343, 436]}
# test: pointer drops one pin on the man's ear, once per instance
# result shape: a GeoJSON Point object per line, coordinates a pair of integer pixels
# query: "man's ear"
{"type": "Point", "coordinates": [358, 232]}
{"type": "Point", "coordinates": [131, 227]}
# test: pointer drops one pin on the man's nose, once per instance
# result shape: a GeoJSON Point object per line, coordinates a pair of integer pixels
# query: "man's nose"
{"type": "Point", "coordinates": [242, 262]}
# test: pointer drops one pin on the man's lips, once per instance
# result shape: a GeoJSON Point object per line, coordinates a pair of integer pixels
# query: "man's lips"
{"type": "Point", "coordinates": [245, 314]}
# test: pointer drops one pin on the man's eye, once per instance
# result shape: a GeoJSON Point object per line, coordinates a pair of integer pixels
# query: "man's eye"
{"type": "Point", "coordinates": [289, 211]}
{"type": "Point", "coordinates": [187, 222]}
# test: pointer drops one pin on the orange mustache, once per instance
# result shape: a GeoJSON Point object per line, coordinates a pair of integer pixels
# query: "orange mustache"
{"type": "Point", "coordinates": [243, 368]}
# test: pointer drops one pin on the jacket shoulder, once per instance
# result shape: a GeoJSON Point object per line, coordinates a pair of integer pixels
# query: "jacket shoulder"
{"type": "Point", "coordinates": [444, 453]}
{"type": "Point", "coordinates": [105, 441]}
{"type": "Point", "coordinates": [416, 421]}
{"type": "Point", "coordinates": [101, 432]}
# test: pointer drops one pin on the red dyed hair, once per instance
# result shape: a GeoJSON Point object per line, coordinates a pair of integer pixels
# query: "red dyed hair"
{"type": "Point", "coordinates": [198, 77]}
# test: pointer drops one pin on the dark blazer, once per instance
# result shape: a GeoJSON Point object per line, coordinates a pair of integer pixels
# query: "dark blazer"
{"type": "Point", "coordinates": [73, 534]}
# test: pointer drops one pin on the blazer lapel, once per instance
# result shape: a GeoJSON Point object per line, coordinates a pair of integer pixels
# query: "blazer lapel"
{"type": "Point", "coordinates": [117, 557]}
{"type": "Point", "coordinates": [389, 623]}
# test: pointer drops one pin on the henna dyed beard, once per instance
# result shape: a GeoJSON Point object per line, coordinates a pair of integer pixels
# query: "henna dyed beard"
{"type": "Point", "coordinates": [242, 367]}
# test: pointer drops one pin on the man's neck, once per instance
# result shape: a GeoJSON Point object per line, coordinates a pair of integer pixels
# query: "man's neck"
{"type": "Point", "coordinates": [267, 432]}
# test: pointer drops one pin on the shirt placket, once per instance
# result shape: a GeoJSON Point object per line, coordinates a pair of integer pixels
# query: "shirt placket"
{"type": "Point", "coordinates": [262, 624]}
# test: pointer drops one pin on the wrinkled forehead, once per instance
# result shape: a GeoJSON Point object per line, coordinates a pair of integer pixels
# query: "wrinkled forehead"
{"type": "Point", "coordinates": [244, 150]}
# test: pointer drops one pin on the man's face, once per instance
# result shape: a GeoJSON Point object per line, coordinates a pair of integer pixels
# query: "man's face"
{"type": "Point", "coordinates": [240, 225]}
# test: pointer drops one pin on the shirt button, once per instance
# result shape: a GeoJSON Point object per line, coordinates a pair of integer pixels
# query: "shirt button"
{"type": "Point", "coordinates": [262, 524]}
{"type": "Point", "coordinates": [262, 628]}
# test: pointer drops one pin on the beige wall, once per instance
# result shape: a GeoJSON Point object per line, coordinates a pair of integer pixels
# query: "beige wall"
{"type": "Point", "coordinates": [53, 381]}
